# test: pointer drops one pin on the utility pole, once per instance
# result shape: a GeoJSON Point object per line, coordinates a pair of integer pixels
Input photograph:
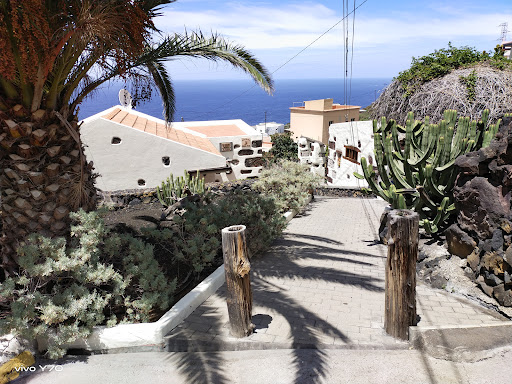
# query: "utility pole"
{"type": "Point", "coordinates": [504, 31]}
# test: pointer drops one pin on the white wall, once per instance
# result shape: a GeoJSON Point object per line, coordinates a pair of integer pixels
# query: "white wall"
{"type": "Point", "coordinates": [313, 154]}
{"type": "Point", "coordinates": [138, 156]}
{"type": "Point", "coordinates": [269, 128]}
{"type": "Point", "coordinates": [236, 159]}
{"type": "Point", "coordinates": [358, 134]}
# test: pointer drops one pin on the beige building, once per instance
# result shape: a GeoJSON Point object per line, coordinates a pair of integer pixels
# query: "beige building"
{"type": "Point", "coordinates": [314, 118]}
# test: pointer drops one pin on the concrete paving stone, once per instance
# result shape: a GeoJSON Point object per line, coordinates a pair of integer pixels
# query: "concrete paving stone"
{"type": "Point", "coordinates": [323, 282]}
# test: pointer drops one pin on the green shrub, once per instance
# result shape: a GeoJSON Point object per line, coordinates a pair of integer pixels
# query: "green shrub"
{"type": "Point", "coordinates": [288, 183]}
{"type": "Point", "coordinates": [65, 289]}
{"type": "Point", "coordinates": [283, 148]}
{"type": "Point", "coordinates": [195, 238]}
{"type": "Point", "coordinates": [443, 61]}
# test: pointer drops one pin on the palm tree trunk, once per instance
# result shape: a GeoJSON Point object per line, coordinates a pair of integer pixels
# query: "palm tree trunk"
{"type": "Point", "coordinates": [44, 176]}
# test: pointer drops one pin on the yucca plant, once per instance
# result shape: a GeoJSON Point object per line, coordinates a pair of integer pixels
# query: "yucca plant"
{"type": "Point", "coordinates": [53, 55]}
{"type": "Point", "coordinates": [420, 174]}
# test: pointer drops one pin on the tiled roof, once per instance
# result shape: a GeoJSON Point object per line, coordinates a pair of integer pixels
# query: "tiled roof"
{"type": "Point", "coordinates": [149, 126]}
{"type": "Point", "coordinates": [219, 130]}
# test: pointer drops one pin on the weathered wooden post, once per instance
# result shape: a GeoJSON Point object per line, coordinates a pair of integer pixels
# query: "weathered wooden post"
{"type": "Point", "coordinates": [403, 237]}
{"type": "Point", "coordinates": [237, 268]}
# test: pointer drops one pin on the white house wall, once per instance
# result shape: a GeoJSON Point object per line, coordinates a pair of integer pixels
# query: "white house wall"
{"type": "Point", "coordinates": [237, 159]}
{"type": "Point", "coordinates": [240, 169]}
{"type": "Point", "coordinates": [358, 134]}
{"type": "Point", "coordinates": [138, 156]}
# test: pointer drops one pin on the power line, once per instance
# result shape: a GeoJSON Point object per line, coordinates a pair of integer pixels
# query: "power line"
{"type": "Point", "coordinates": [293, 57]}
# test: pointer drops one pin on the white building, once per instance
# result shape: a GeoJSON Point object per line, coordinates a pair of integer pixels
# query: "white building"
{"type": "Point", "coordinates": [348, 143]}
{"type": "Point", "coordinates": [132, 150]}
{"type": "Point", "coordinates": [312, 152]}
{"type": "Point", "coordinates": [269, 128]}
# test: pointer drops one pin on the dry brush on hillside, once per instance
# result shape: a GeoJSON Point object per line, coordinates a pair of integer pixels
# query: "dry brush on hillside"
{"type": "Point", "coordinates": [469, 91]}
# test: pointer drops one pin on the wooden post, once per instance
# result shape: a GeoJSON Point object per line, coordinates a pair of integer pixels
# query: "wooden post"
{"type": "Point", "coordinates": [403, 237]}
{"type": "Point", "coordinates": [237, 268]}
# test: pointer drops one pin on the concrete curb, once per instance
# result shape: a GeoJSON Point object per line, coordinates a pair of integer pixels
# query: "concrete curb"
{"type": "Point", "coordinates": [193, 345]}
{"type": "Point", "coordinates": [150, 336]}
{"type": "Point", "coordinates": [291, 214]}
{"type": "Point", "coordinates": [463, 343]}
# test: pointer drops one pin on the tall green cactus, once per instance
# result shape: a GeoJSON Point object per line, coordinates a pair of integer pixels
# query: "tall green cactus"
{"type": "Point", "coordinates": [418, 172]}
{"type": "Point", "coordinates": [173, 189]}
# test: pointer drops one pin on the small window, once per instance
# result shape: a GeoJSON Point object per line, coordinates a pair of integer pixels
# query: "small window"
{"type": "Point", "coordinates": [332, 144]}
{"type": "Point", "coordinates": [351, 154]}
{"type": "Point", "coordinates": [166, 160]}
{"type": "Point", "coordinates": [359, 143]}
{"type": "Point", "coordinates": [331, 122]}
{"type": "Point", "coordinates": [115, 140]}
{"type": "Point", "coordinates": [141, 182]}
{"type": "Point", "coordinates": [257, 143]}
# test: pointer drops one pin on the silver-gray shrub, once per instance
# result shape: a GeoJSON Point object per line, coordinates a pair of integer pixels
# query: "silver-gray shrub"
{"type": "Point", "coordinates": [288, 183]}
{"type": "Point", "coordinates": [65, 288]}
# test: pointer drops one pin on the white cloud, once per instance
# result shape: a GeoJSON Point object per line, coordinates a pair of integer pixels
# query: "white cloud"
{"type": "Point", "coordinates": [297, 25]}
{"type": "Point", "coordinates": [384, 41]}
{"type": "Point", "coordinates": [258, 27]}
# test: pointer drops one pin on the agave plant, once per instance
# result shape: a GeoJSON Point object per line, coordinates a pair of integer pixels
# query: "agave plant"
{"type": "Point", "coordinates": [53, 55]}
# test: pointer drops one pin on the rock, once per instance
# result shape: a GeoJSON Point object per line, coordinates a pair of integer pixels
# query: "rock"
{"type": "Point", "coordinates": [506, 225]}
{"type": "Point", "coordinates": [507, 278]}
{"type": "Point", "coordinates": [492, 262]}
{"type": "Point", "coordinates": [497, 240]}
{"type": "Point", "coordinates": [485, 246]}
{"type": "Point", "coordinates": [508, 256]}
{"type": "Point", "coordinates": [491, 279]}
{"type": "Point", "coordinates": [135, 201]}
{"type": "Point", "coordinates": [481, 282]}
{"type": "Point", "coordinates": [459, 242]}
{"type": "Point", "coordinates": [504, 296]}
{"type": "Point", "coordinates": [482, 191]}
{"type": "Point", "coordinates": [147, 200]}
{"type": "Point", "coordinates": [507, 241]}
{"type": "Point", "coordinates": [474, 259]}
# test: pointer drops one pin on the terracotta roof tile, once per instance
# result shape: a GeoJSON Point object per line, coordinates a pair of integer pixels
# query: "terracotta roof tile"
{"type": "Point", "coordinates": [158, 129]}
{"type": "Point", "coordinates": [118, 118]}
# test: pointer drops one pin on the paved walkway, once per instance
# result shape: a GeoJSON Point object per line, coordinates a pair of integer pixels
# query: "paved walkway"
{"type": "Point", "coordinates": [321, 285]}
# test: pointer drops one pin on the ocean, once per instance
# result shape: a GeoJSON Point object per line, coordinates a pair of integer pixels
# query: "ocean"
{"type": "Point", "coordinates": [239, 99]}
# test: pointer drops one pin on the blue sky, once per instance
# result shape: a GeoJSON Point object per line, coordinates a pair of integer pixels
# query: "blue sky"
{"type": "Point", "coordinates": [387, 33]}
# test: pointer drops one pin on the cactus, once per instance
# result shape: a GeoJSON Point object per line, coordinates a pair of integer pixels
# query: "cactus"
{"type": "Point", "coordinates": [420, 174]}
{"type": "Point", "coordinates": [171, 190]}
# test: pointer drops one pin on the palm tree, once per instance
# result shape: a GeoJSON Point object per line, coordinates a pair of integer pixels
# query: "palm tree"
{"type": "Point", "coordinates": [53, 54]}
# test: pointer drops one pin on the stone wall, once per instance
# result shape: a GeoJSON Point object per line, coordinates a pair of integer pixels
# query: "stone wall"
{"type": "Point", "coordinates": [483, 232]}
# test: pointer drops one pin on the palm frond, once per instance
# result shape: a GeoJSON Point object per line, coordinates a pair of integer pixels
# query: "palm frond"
{"type": "Point", "coordinates": [163, 82]}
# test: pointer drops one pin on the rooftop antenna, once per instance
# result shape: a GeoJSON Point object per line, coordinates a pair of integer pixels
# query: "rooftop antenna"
{"type": "Point", "coordinates": [125, 99]}
{"type": "Point", "coordinates": [504, 31]}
